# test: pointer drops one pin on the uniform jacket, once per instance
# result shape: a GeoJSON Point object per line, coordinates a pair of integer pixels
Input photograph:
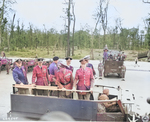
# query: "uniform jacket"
{"type": "Point", "coordinates": [53, 68]}
{"type": "Point", "coordinates": [84, 78]}
{"type": "Point", "coordinates": [64, 78]}
{"type": "Point", "coordinates": [100, 66]}
{"type": "Point", "coordinates": [20, 75]}
{"type": "Point", "coordinates": [69, 68]}
{"type": "Point", "coordinates": [105, 55]}
{"type": "Point", "coordinates": [40, 76]}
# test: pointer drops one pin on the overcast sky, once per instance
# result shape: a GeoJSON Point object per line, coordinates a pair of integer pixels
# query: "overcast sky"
{"type": "Point", "coordinates": [49, 12]}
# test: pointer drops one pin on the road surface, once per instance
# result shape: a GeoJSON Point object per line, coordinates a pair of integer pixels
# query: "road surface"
{"type": "Point", "coordinates": [137, 80]}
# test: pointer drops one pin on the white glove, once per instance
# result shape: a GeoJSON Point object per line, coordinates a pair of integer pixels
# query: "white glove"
{"type": "Point", "coordinates": [63, 88]}
{"type": "Point", "coordinates": [21, 84]}
{"type": "Point", "coordinates": [95, 77]}
{"type": "Point", "coordinates": [73, 89]}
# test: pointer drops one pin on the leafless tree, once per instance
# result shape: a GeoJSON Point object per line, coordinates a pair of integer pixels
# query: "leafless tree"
{"type": "Point", "coordinates": [5, 7]}
{"type": "Point", "coordinates": [11, 33]}
{"type": "Point", "coordinates": [74, 21]}
{"type": "Point", "coordinates": [1, 18]}
{"type": "Point", "coordinates": [101, 16]}
{"type": "Point", "coordinates": [68, 39]}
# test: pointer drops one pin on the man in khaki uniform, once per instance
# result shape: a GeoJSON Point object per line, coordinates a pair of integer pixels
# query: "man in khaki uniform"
{"type": "Point", "coordinates": [111, 106]}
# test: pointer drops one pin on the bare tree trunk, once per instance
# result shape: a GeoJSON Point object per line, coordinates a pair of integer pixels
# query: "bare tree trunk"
{"type": "Point", "coordinates": [11, 33]}
{"type": "Point", "coordinates": [1, 18]}
{"type": "Point", "coordinates": [55, 46]}
{"type": "Point", "coordinates": [68, 40]}
{"type": "Point", "coordinates": [73, 29]}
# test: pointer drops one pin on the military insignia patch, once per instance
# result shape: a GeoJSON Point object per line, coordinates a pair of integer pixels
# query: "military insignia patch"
{"type": "Point", "coordinates": [44, 70]}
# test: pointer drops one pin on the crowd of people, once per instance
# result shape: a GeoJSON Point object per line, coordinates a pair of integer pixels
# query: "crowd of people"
{"type": "Point", "coordinates": [116, 57]}
{"type": "Point", "coordinates": [60, 75]}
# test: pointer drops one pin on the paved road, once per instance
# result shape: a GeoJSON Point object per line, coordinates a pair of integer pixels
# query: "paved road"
{"type": "Point", "coordinates": [137, 81]}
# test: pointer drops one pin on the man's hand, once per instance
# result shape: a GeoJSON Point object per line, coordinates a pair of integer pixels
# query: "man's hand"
{"type": "Point", "coordinates": [74, 88]}
{"type": "Point", "coordinates": [91, 89]}
{"type": "Point", "coordinates": [54, 79]}
{"type": "Point", "coordinates": [63, 88]}
{"type": "Point", "coordinates": [114, 103]}
{"type": "Point", "coordinates": [95, 77]}
{"type": "Point", "coordinates": [21, 84]}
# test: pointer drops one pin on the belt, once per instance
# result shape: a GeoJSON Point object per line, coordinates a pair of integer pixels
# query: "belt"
{"type": "Point", "coordinates": [65, 83]}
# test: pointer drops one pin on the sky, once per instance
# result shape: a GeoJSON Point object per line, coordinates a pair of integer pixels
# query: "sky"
{"type": "Point", "coordinates": [50, 12]}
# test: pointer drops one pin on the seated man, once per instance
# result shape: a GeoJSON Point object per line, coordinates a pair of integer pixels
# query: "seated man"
{"type": "Point", "coordinates": [123, 56]}
{"type": "Point", "coordinates": [118, 57]}
{"type": "Point", "coordinates": [111, 57]}
{"type": "Point", "coordinates": [109, 106]}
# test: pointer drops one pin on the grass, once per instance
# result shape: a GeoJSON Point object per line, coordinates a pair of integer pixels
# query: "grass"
{"type": "Point", "coordinates": [42, 52]}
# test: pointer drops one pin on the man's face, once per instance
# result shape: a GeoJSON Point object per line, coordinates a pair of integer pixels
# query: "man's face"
{"type": "Point", "coordinates": [83, 62]}
{"type": "Point", "coordinates": [68, 61]}
{"type": "Point", "coordinates": [40, 63]}
{"type": "Point", "coordinates": [56, 61]}
{"type": "Point", "coordinates": [87, 61]}
{"type": "Point", "coordinates": [19, 64]}
{"type": "Point", "coordinates": [83, 66]}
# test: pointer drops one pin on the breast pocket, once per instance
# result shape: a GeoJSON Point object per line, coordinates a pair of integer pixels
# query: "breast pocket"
{"type": "Point", "coordinates": [44, 70]}
{"type": "Point", "coordinates": [88, 73]}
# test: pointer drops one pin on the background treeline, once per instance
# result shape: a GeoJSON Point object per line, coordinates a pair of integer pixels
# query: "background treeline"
{"type": "Point", "coordinates": [32, 38]}
{"type": "Point", "coordinates": [16, 38]}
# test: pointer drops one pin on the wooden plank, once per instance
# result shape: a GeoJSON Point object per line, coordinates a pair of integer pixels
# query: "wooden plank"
{"type": "Point", "coordinates": [48, 88]}
{"type": "Point", "coordinates": [121, 107]}
{"type": "Point", "coordinates": [23, 86]}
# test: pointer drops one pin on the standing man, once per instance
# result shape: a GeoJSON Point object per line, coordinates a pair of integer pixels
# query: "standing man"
{"type": "Point", "coordinates": [19, 73]}
{"type": "Point", "coordinates": [53, 68]}
{"type": "Point", "coordinates": [100, 69]}
{"type": "Point", "coordinates": [84, 80]}
{"type": "Point", "coordinates": [64, 80]}
{"type": "Point", "coordinates": [20, 76]}
{"type": "Point", "coordinates": [3, 54]}
{"type": "Point", "coordinates": [7, 66]}
{"type": "Point", "coordinates": [136, 60]}
{"type": "Point", "coordinates": [68, 62]}
{"type": "Point", "coordinates": [0, 64]}
{"type": "Point", "coordinates": [40, 74]}
{"type": "Point", "coordinates": [87, 58]}
{"type": "Point", "coordinates": [105, 54]}
{"type": "Point", "coordinates": [123, 71]}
